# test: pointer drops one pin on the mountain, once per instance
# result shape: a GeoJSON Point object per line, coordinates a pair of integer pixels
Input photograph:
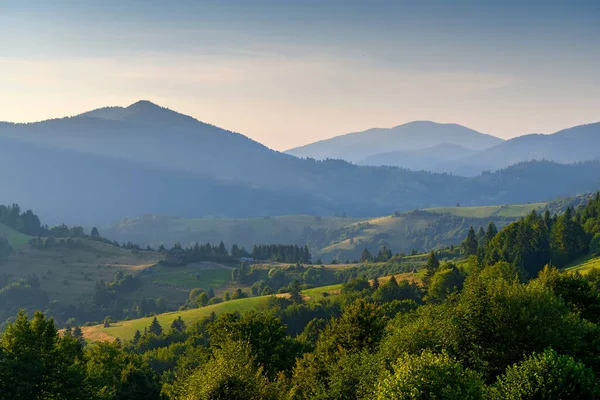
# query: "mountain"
{"type": "Point", "coordinates": [417, 135]}
{"type": "Point", "coordinates": [98, 167]}
{"type": "Point", "coordinates": [148, 134]}
{"type": "Point", "coordinates": [580, 143]}
{"type": "Point", "coordinates": [423, 159]}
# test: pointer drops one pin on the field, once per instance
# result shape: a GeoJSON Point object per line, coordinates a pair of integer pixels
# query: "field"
{"type": "Point", "coordinates": [69, 274]}
{"type": "Point", "coordinates": [421, 230]}
{"type": "Point", "coordinates": [508, 211]}
{"type": "Point", "coordinates": [584, 266]}
{"type": "Point", "coordinates": [16, 239]}
{"type": "Point", "coordinates": [126, 329]}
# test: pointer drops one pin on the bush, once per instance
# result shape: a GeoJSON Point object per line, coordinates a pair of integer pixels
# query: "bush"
{"type": "Point", "coordinates": [548, 375]}
{"type": "Point", "coordinates": [430, 376]}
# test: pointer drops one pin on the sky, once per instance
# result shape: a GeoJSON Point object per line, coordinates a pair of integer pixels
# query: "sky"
{"type": "Point", "coordinates": [288, 73]}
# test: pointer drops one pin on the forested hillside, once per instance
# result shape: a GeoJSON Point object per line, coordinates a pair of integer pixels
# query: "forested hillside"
{"type": "Point", "coordinates": [497, 324]}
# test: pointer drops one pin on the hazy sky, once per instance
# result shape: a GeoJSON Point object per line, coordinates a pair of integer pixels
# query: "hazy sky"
{"type": "Point", "coordinates": [288, 73]}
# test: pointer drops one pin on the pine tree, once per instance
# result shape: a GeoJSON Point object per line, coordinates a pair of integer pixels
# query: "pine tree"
{"type": "Point", "coordinates": [490, 232]}
{"type": "Point", "coordinates": [480, 233]}
{"type": "Point", "coordinates": [375, 284]}
{"type": "Point", "coordinates": [178, 325]}
{"type": "Point", "coordinates": [470, 244]}
{"type": "Point", "coordinates": [365, 256]}
{"type": "Point", "coordinates": [136, 337]}
{"type": "Point", "coordinates": [78, 334]}
{"type": "Point", "coordinates": [431, 266]}
{"type": "Point", "coordinates": [155, 327]}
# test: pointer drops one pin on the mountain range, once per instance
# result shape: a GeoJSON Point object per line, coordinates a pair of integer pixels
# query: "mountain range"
{"type": "Point", "coordinates": [116, 162]}
{"type": "Point", "coordinates": [452, 148]}
{"type": "Point", "coordinates": [359, 146]}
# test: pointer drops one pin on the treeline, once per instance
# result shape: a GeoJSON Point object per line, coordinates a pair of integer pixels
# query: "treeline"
{"type": "Point", "coordinates": [206, 252]}
{"type": "Point", "coordinates": [538, 240]}
{"type": "Point", "coordinates": [282, 253]}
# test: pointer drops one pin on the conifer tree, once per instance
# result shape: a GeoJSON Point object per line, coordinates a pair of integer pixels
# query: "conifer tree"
{"type": "Point", "coordinates": [365, 256]}
{"type": "Point", "coordinates": [470, 244]}
{"type": "Point", "coordinates": [155, 327]}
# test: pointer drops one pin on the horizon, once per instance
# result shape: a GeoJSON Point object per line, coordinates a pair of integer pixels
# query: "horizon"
{"type": "Point", "coordinates": [287, 75]}
{"type": "Point", "coordinates": [286, 149]}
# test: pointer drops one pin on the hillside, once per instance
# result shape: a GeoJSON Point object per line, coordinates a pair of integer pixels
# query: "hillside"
{"type": "Point", "coordinates": [330, 237]}
{"type": "Point", "coordinates": [125, 330]}
{"type": "Point", "coordinates": [423, 159]}
{"type": "Point", "coordinates": [99, 167]}
{"type": "Point", "coordinates": [16, 240]}
{"type": "Point", "coordinates": [420, 229]}
{"type": "Point", "coordinates": [288, 229]}
{"type": "Point", "coordinates": [69, 275]}
{"type": "Point", "coordinates": [417, 135]}
{"type": "Point", "coordinates": [579, 143]}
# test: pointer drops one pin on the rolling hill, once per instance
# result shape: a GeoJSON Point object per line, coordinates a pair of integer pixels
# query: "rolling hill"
{"type": "Point", "coordinates": [327, 237]}
{"type": "Point", "coordinates": [125, 330]}
{"type": "Point", "coordinates": [420, 229]}
{"type": "Point", "coordinates": [418, 135]}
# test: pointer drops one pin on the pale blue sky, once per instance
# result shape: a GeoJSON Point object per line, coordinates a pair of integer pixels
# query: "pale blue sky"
{"type": "Point", "coordinates": [288, 73]}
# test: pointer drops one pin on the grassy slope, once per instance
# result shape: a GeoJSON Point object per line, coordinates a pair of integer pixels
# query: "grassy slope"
{"type": "Point", "coordinates": [69, 275]}
{"type": "Point", "coordinates": [584, 265]}
{"type": "Point", "coordinates": [393, 229]}
{"type": "Point", "coordinates": [126, 329]}
{"type": "Point", "coordinates": [16, 239]}
{"type": "Point", "coordinates": [509, 211]}
{"type": "Point", "coordinates": [244, 232]}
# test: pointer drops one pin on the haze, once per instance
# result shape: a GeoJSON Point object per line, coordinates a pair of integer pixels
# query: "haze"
{"type": "Point", "coordinates": [287, 75]}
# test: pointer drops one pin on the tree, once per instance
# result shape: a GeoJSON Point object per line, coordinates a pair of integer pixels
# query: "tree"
{"type": "Point", "coordinates": [295, 293]}
{"type": "Point", "coordinates": [136, 337]}
{"type": "Point", "coordinates": [202, 299]}
{"type": "Point", "coordinates": [78, 335]}
{"type": "Point", "coordinates": [264, 334]}
{"type": "Point", "coordinates": [178, 324]}
{"type": "Point", "coordinates": [384, 254]}
{"type": "Point", "coordinates": [547, 375]}
{"type": "Point", "coordinates": [95, 233]}
{"type": "Point", "coordinates": [445, 281]}
{"type": "Point", "coordinates": [359, 328]}
{"type": "Point", "coordinates": [231, 373]}
{"type": "Point", "coordinates": [155, 327]}
{"type": "Point", "coordinates": [38, 363]}
{"type": "Point", "coordinates": [375, 284]}
{"type": "Point", "coordinates": [490, 232]}
{"type": "Point", "coordinates": [430, 267]}
{"type": "Point", "coordinates": [480, 234]}
{"type": "Point", "coordinates": [595, 244]}
{"type": "Point", "coordinates": [430, 376]}
{"type": "Point", "coordinates": [365, 256]}
{"type": "Point", "coordinates": [470, 244]}
{"type": "Point", "coordinates": [117, 375]}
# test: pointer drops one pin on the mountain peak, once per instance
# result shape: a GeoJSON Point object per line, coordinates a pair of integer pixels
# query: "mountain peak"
{"type": "Point", "coordinates": [145, 105]}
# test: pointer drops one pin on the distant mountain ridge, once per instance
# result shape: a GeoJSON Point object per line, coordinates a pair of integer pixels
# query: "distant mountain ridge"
{"type": "Point", "coordinates": [422, 159]}
{"type": "Point", "coordinates": [423, 145]}
{"type": "Point", "coordinates": [114, 162]}
{"type": "Point", "coordinates": [417, 135]}
{"type": "Point", "coordinates": [576, 144]}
